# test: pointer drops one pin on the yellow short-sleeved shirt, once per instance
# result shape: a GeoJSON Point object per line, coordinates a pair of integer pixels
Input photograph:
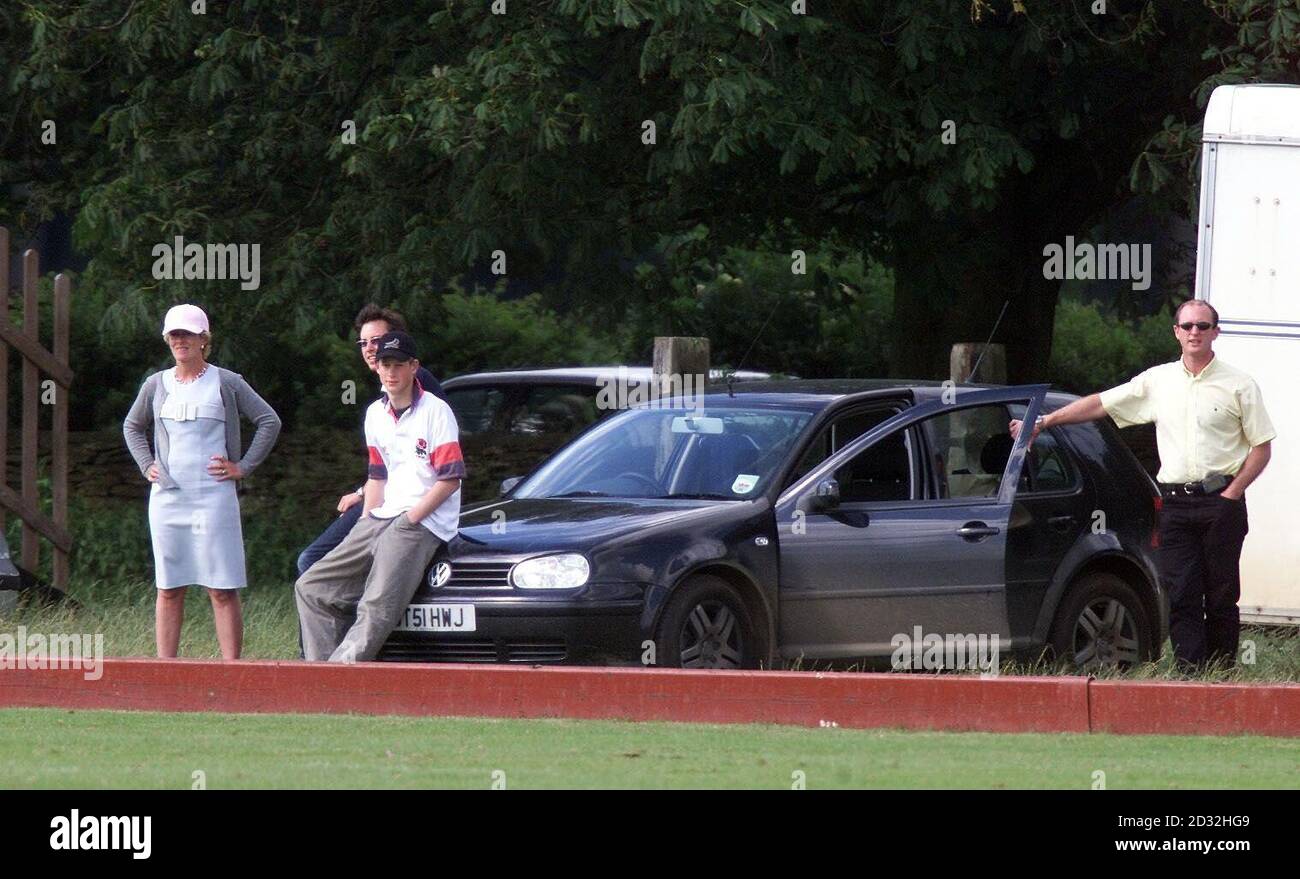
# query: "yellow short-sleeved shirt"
{"type": "Point", "coordinates": [1205, 424]}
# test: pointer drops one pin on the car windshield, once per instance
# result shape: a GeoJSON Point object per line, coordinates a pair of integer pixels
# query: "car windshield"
{"type": "Point", "coordinates": [723, 453]}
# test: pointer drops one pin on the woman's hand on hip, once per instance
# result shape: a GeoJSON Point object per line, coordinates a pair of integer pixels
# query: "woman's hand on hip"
{"type": "Point", "coordinates": [221, 468]}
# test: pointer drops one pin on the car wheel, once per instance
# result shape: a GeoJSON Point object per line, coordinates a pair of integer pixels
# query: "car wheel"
{"type": "Point", "coordinates": [707, 625]}
{"type": "Point", "coordinates": [1102, 622]}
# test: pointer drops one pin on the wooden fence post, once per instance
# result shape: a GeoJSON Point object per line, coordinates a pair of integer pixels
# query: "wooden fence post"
{"type": "Point", "coordinates": [4, 366]}
{"type": "Point", "coordinates": [992, 368]}
{"type": "Point", "coordinates": [676, 358]}
{"type": "Point", "coordinates": [680, 356]}
{"type": "Point", "coordinates": [59, 427]}
{"type": "Point", "coordinates": [37, 360]}
{"type": "Point", "coordinates": [31, 397]}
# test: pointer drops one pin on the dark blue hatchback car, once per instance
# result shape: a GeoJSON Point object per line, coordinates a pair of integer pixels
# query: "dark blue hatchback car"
{"type": "Point", "coordinates": [805, 520]}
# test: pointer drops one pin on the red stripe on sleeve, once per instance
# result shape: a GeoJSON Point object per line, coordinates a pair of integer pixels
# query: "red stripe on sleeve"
{"type": "Point", "coordinates": [447, 461]}
{"type": "Point", "coordinates": [377, 469]}
{"type": "Point", "coordinates": [445, 454]}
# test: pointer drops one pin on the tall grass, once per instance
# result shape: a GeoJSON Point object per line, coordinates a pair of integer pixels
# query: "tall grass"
{"type": "Point", "coordinates": [112, 587]}
{"type": "Point", "coordinates": [123, 612]}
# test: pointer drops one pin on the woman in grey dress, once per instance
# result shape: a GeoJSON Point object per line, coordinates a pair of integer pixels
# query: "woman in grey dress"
{"type": "Point", "coordinates": [193, 508]}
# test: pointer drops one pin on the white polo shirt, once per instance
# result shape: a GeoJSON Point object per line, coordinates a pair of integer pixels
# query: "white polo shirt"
{"type": "Point", "coordinates": [1205, 423]}
{"type": "Point", "coordinates": [412, 452]}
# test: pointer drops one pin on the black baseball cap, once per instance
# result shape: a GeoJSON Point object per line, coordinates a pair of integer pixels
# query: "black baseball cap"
{"type": "Point", "coordinates": [396, 346]}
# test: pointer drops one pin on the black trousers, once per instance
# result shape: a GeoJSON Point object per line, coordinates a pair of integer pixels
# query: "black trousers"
{"type": "Point", "coordinates": [1199, 560]}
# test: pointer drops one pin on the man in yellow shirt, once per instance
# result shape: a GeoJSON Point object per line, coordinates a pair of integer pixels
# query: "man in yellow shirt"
{"type": "Point", "coordinates": [1214, 438]}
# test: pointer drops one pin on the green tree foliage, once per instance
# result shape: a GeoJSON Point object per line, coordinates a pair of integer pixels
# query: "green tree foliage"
{"type": "Point", "coordinates": [1095, 350]}
{"type": "Point", "coordinates": [1261, 44]}
{"type": "Point", "coordinates": [829, 320]}
{"type": "Point", "coordinates": [524, 135]}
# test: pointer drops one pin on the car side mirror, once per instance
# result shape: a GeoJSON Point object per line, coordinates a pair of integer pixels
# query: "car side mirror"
{"type": "Point", "coordinates": [825, 497]}
{"type": "Point", "coordinates": [508, 484]}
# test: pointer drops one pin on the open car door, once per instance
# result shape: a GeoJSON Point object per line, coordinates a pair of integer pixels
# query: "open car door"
{"type": "Point", "coordinates": [904, 530]}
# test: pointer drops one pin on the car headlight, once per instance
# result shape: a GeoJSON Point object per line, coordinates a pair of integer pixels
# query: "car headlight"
{"type": "Point", "coordinates": [568, 571]}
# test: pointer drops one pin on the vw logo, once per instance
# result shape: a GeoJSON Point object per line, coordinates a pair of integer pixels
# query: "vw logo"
{"type": "Point", "coordinates": [440, 575]}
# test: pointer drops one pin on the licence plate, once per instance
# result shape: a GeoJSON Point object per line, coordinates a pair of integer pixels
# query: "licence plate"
{"type": "Point", "coordinates": [438, 618]}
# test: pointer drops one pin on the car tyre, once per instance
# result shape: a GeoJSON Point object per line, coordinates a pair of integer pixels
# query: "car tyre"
{"type": "Point", "coordinates": [1102, 622]}
{"type": "Point", "coordinates": [707, 625]}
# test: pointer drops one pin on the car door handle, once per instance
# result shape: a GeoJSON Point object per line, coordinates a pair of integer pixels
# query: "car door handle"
{"type": "Point", "coordinates": [975, 531]}
{"type": "Point", "coordinates": [1060, 523]}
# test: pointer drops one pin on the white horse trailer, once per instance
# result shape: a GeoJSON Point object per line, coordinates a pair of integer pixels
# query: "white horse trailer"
{"type": "Point", "coordinates": [1248, 267]}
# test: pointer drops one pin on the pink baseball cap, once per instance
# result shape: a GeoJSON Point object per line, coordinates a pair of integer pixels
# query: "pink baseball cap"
{"type": "Point", "coordinates": [185, 317]}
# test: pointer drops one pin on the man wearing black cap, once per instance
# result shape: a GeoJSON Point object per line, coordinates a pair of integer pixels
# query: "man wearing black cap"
{"type": "Point", "coordinates": [371, 323]}
{"type": "Point", "coordinates": [350, 600]}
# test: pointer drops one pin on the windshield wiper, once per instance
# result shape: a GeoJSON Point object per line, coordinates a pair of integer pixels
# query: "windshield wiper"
{"type": "Point", "coordinates": [698, 496]}
{"type": "Point", "coordinates": [581, 494]}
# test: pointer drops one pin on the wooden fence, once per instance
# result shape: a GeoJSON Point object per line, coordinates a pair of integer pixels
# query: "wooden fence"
{"type": "Point", "coordinates": [35, 393]}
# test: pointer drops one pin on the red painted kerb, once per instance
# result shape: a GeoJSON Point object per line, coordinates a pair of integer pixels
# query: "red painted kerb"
{"type": "Point", "coordinates": [900, 701]}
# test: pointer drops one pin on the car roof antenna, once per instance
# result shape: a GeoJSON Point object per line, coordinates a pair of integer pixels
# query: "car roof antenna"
{"type": "Point", "coordinates": [976, 368]}
{"type": "Point", "coordinates": [731, 377]}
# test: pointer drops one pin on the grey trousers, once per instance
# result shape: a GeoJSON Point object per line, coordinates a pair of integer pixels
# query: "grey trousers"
{"type": "Point", "coordinates": [350, 600]}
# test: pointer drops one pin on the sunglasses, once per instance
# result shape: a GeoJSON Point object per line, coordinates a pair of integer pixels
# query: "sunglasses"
{"type": "Point", "coordinates": [1202, 325]}
{"type": "Point", "coordinates": [366, 343]}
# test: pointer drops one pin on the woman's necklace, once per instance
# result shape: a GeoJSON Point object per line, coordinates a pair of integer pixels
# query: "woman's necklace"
{"type": "Point", "coordinates": [186, 381]}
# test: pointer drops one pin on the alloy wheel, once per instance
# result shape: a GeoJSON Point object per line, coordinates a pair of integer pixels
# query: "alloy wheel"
{"type": "Point", "coordinates": [1106, 633]}
{"type": "Point", "coordinates": [711, 637]}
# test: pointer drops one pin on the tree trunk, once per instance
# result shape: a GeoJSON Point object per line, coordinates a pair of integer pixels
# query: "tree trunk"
{"type": "Point", "coordinates": [949, 286]}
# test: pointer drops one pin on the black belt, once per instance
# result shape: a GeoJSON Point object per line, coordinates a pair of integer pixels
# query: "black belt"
{"type": "Point", "coordinates": [1207, 486]}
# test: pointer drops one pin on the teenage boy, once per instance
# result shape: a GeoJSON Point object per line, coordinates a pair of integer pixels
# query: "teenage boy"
{"type": "Point", "coordinates": [350, 600]}
{"type": "Point", "coordinates": [371, 323]}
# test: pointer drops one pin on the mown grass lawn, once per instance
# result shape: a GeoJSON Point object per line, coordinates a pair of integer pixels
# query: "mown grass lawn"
{"type": "Point", "coordinates": [53, 748]}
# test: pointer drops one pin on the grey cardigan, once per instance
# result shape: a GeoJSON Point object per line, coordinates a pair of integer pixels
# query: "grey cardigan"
{"type": "Point", "coordinates": [239, 399]}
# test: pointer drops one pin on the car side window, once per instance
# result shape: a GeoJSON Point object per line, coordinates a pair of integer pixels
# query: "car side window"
{"type": "Point", "coordinates": [561, 409]}
{"type": "Point", "coordinates": [476, 409]}
{"type": "Point", "coordinates": [1048, 466]}
{"type": "Point", "coordinates": [968, 449]}
{"type": "Point", "coordinates": [838, 434]}
{"type": "Point", "coordinates": [882, 472]}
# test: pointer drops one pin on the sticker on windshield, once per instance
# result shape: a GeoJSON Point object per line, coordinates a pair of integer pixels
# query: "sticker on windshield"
{"type": "Point", "coordinates": [744, 484]}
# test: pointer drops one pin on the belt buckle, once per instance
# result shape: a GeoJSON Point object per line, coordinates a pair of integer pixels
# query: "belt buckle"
{"type": "Point", "coordinates": [1188, 488]}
